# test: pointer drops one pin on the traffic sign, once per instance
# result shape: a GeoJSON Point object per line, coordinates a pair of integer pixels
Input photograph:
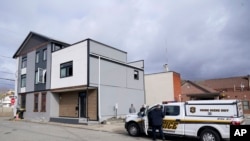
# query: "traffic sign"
{"type": "Point", "coordinates": [12, 101]}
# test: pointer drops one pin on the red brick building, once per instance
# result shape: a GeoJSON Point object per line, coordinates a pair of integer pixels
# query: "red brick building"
{"type": "Point", "coordinates": [220, 88]}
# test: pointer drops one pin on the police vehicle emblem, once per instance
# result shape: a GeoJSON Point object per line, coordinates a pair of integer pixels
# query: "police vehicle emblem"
{"type": "Point", "coordinates": [192, 109]}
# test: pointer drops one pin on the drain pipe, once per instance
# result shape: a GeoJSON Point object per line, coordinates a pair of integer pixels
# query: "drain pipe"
{"type": "Point", "coordinates": [248, 76]}
{"type": "Point", "coordinates": [99, 89]}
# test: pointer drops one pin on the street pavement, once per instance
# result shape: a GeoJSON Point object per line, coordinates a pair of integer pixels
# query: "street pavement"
{"type": "Point", "coordinates": [116, 127]}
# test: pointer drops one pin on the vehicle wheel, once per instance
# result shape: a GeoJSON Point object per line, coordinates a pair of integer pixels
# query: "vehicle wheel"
{"type": "Point", "coordinates": [209, 135]}
{"type": "Point", "coordinates": [133, 129]}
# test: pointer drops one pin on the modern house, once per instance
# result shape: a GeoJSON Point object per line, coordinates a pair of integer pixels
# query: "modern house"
{"type": "Point", "coordinates": [162, 87]}
{"type": "Point", "coordinates": [219, 88]}
{"type": "Point", "coordinates": [84, 82]}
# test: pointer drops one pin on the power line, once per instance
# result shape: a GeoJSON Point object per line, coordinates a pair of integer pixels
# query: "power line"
{"type": "Point", "coordinates": [8, 84]}
{"type": "Point", "coordinates": [7, 79]}
{"type": "Point", "coordinates": [6, 57]}
{"type": "Point", "coordinates": [7, 72]}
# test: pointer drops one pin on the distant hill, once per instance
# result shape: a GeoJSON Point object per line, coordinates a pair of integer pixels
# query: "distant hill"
{"type": "Point", "coordinates": [4, 89]}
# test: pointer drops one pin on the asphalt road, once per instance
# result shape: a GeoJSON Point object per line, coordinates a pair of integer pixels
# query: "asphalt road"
{"type": "Point", "coordinates": [30, 131]}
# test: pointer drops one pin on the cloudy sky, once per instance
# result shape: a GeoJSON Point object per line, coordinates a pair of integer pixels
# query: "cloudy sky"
{"type": "Point", "coordinates": [200, 39]}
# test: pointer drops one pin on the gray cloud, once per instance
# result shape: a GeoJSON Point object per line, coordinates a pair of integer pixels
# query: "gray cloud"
{"type": "Point", "coordinates": [198, 39]}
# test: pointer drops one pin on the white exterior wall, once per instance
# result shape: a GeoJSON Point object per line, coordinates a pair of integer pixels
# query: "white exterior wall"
{"type": "Point", "coordinates": [76, 53]}
{"type": "Point", "coordinates": [159, 87]}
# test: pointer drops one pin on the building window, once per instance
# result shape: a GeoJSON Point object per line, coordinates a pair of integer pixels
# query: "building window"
{"type": "Point", "coordinates": [44, 77]}
{"type": "Point", "coordinates": [66, 69]}
{"type": "Point", "coordinates": [23, 80]}
{"type": "Point", "coordinates": [45, 54]}
{"type": "Point", "coordinates": [24, 62]}
{"type": "Point", "coordinates": [39, 75]}
{"type": "Point", "coordinates": [36, 96]}
{"type": "Point", "coordinates": [245, 105]}
{"type": "Point", "coordinates": [43, 102]}
{"type": "Point", "coordinates": [37, 57]}
{"type": "Point", "coordinates": [136, 75]}
{"type": "Point", "coordinates": [56, 47]}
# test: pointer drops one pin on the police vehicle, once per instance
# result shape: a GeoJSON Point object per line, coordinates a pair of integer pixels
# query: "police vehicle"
{"type": "Point", "coordinates": [208, 120]}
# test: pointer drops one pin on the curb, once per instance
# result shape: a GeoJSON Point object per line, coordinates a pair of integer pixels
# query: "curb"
{"type": "Point", "coordinates": [117, 128]}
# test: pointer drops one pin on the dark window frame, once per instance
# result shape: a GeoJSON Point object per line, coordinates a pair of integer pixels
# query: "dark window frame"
{"type": "Point", "coordinates": [23, 80]}
{"type": "Point", "coordinates": [37, 57]}
{"type": "Point", "coordinates": [45, 54]}
{"type": "Point", "coordinates": [56, 47]}
{"type": "Point", "coordinates": [43, 102]}
{"type": "Point", "coordinates": [24, 62]}
{"type": "Point", "coordinates": [23, 101]}
{"type": "Point", "coordinates": [136, 74]}
{"type": "Point", "coordinates": [36, 102]}
{"type": "Point", "coordinates": [245, 104]}
{"type": "Point", "coordinates": [68, 68]}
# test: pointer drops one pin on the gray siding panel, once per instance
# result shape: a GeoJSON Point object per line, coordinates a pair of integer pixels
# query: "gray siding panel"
{"type": "Point", "coordinates": [30, 73]}
{"type": "Point", "coordinates": [19, 75]}
{"type": "Point", "coordinates": [111, 74]}
{"type": "Point", "coordinates": [48, 71]}
{"type": "Point", "coordinates": [36, 116]}
{"type": "Point", "coordinates": [117, 86]}
{"type": "Point", "coordinates": [35, 41]}
{"type": "Point", "coordinates": [123, 97]}
{"type": "Point", "coordinates": [41, 64]}
{"type": "Point", "coordinates": [108, 52]}
{"type": "Point", "coordinates": [114, 74]}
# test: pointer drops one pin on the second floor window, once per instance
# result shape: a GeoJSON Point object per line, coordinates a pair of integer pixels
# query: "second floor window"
{"type": "Point", "coordinates": [37, 57]}
{"type": "Point", "coordinates": [66, 69]}
{"type": "Point", "coordinates": [24, 62]}
{"type": "Point", "coordinates": [136, 75]}
{"type": "Point", "coordinates": [45, 54]}
{"type": "Point", "coordinates": [23, 80]}
{"type": "Point", "coordinates": [40, 76]}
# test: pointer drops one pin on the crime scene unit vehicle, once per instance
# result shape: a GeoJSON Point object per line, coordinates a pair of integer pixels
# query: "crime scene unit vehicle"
{"type": "Point", "coordinates": [207, 120]}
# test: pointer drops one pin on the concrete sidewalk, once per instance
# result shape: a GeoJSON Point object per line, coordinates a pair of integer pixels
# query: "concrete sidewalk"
{"type": "Point", "coordinates": [112, 126]}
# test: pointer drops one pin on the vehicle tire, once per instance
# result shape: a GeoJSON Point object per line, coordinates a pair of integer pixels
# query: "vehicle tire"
{"type": "Point", "coordinates": [209, 135]}
{"type": "Point", "coordinates": [133, 129]}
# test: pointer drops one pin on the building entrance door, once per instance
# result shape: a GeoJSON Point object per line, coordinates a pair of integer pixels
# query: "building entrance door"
{"type": "Point", "coordinates": [82, 107]}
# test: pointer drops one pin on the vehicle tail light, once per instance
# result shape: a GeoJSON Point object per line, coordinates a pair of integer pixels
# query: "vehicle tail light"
{"type": "Point", "coordinates": [235, 123]}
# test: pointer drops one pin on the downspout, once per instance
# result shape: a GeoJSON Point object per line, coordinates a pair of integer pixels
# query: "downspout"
{"type": "Point", "coordinates": [248, 82]}
{"type": "Point", "coordinates": [99, 89]}
{"type": "Point", "coordinates": [16, 89]}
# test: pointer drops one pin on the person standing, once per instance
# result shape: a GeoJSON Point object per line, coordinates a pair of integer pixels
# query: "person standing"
{"type": "Point", "coordinates": [156, 117]}
{"type": "Point", "coordinates": [142, 110]}
{"type": "Point", "coordinates": [132, 109]}
{"type": "Point", "coordinates": [143, 107]}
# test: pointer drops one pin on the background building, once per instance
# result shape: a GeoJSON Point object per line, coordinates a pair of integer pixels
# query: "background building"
{"type": "Point", "coordinates": [162, 87]}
